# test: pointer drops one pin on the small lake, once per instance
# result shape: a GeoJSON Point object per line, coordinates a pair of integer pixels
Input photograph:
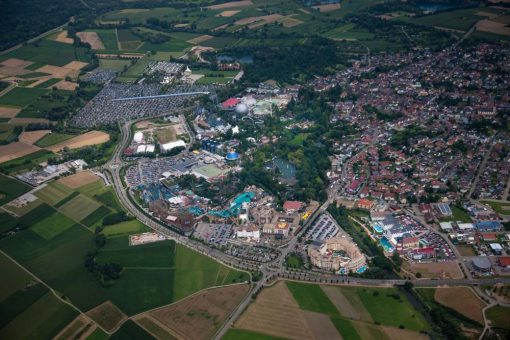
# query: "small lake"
{"type": "Point", "coordinates": [243, 59]}
{"type": "Point", "coordinates": [428, 7]}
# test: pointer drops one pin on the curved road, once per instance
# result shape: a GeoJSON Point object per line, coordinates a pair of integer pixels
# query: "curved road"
{"type": "Point", "coordinates": [271, 270]}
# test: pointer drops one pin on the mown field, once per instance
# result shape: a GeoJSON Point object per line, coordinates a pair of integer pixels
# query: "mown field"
{"type": "Point", "coordinates": [49, 52]}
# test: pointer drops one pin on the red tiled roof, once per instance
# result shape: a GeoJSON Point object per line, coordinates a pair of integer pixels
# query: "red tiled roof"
{"type": "Point", "coordinates": [504, 261]}
{"type": "Point", "coordinates": [230, 102]}
{"type": "Point", "coordinates": [292, 205]}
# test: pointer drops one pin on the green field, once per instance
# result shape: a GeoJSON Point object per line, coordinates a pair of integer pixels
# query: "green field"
{"type": "Point", "coordinates": [28, 309]}
{"type": "Point", "coordinates": [11, 188]}
{"type": "Point", "coordinates": [128, 227]}
{"type": "Point", "coordinates": [53, 193]}
{"type": "Point", "coordinates": [500, 316]}
{"type": "Point", "coordinates": [461, 19]}
{"type": "Point", "coordinates": [52, 226]}
{"type": "Point", "coordinates": [33, 75]}
{"type": "Point", "coordinates": [48, 83]}
{"type": "Point", "coordinates": [241, 334]}
{"type": "Point", "coordinates": [49, 52]}
{"type": "Point", "coordinates": [390, 307]}
{"type": "Point", "coordinates": [8, 222]}
{"type": "Point", "coordinates": [158, 254]}
{"type": "Point", "coordinates": [41, 108]}
{"type": "Point", "coordinates": [96, 216]}
{"type": "Point", "coordinates": [311, 297]}
{"type": "Point", "coordinates": [345, 328]}
{"type": "Point", "coordinates": [26, 162]}
{"type": "Point", "coordinates": [131, 330]}
{"type": "Point", "coordinates": [79, 207]}
{"type": "Point", "coordinates": [21, 96]}
{"type": "Point", "coordinates": [114, 64]}
{"type": "Point", "coordinates": [502, 208]}
{"type": "Point", "coordinates": [52, 139]}
{"type": "Point", "coordinates": [108, 37]}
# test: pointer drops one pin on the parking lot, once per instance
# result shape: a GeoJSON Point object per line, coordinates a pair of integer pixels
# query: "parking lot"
{"type": "Point", "coordinates": [325, 227]}
{"type": "Point", "coordinates": [213, 233]}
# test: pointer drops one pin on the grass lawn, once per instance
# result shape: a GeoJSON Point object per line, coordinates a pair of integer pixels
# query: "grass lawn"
{"type": "Point", "coordinates": [21, 96]}
{"type": "Point", "coordinates": [458, 214]}
{"type": "Point", "coordinates": [502, 208]}
{"type": "Point", "coordinates": [52, 226]}
{"type": "Point", "coordinates": [93, 189]}
{"type": "Point", "coordinates": [294, 261]}
{"type": "Point", "coordinates": [79, 207]}
{"type": "Point", "coordinates": [128, 227]}
{"type": "Point", "coordinates": [213, 80]}
{"type": "Point", "coordinates": [98, 334]}
{"type": "Point", "coordinates": [241, 334]}
{"type": "Point", "coordinates": [54, 192]}
{"type": "Point", "coordinates": [52, 139]}
{"type": "Point", "coordinates": [49, 52]}
{"type": "Point", "coordinates": [311, 297]}
{"type": "Point", "coordinates": [108, 37]}
{"type": "Point", "coordinates": [11, 188]}
{"type": "Point", "coordinates": [500, 316]}
{"type": "Point", "coordinates": [385, 308]}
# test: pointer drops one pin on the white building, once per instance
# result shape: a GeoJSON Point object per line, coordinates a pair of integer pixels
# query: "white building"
{"type": "Point", "coordinates": [172, 145]}
{"type": "Point", "coordinates": [138, 137]}
{"type": "Point", "coordinates": [250, 232]}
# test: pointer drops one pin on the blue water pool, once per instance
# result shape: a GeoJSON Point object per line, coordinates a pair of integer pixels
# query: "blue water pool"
{"type": "Point", "coordinates": [386, 245]}
{"type": "Point", "coordinates": [378, 228]}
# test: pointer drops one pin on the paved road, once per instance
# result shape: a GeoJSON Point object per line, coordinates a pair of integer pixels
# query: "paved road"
{"type": "Point", "coordinates": [271, 270]}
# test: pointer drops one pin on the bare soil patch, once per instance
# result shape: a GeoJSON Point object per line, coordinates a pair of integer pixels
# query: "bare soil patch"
{"type": "Point", "coordinates": [466, 250]}
{"type": "Point", "coordinates": [447, 270]}
{"type": "Point", "coordinates": [79, 179]}
{"type": "Point", "coordinates": [14, 62]}
{"type": "Point", "coordinates": [200, 39]}
{"type": "Point", "coordinates": [289, 21]}
{"type": "Point", "coordinates": [8, 112]}
{"type": "Point", "coordinates": [75, 65]}
{"type": "Point", "coordinates": [227, 14]}
{"type": "Point", "coordinates": [199, 316]}
{"type": "Point", "coordinates": [492, 27]}
{"type": "Point", "coordinates": [66, 85]}
{"type": "Point", "coordinates": [505, 19]}
{"type": "Point", "coordinates": [63, 38]}
{"type": "Point", "coordinates": [13, 71]}
{"type": "Point", "coordinates": [341, 302]}
{"type": "Point", "coordinates": [92, 38]}
{"type": "Point", "coordinates": [107, 315]}
{"type": "Point", "coordinates": [58, 72]}
{"type": "Point", "coordinates": [220, 27]}
{"type": "Point", "coordinates": [321, 326]}
{"type": "Point", "coordinates": [486, 14]}
{"type": "Point", "coordinates": [275, 312]}
{"type": "Point", "coordinates": [461, 299]}
{"type": "Point", "coordinates": [30, 137]}
{"type": "Point", "coordinates": [89, 138]}
{"type": "Point", "coordinates": [16, 150]}
{"type": "Point", "coordinates": [328, 7]}
{"type": "Point", "coordinates": [231, 4]}
{"type": "Point", "coordinates": [397, 333]}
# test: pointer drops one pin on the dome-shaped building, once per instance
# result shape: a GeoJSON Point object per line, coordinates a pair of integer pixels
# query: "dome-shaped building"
{"type": "Point", "coordinates": [241, 109]}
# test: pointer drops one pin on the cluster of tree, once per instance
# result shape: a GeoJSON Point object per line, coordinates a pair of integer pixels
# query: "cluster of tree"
{"type": "Point", "coordinates": [382, 115]}
{"type": "Point", "coordinates": [155, 38]}
{"type": "Point", "coordinates": [317, 56]}
{"type": "Point", "coordinates": [404, 137]}
{"type": "Point", "coordinates": [116, 217]}
{"type": "Point", "coordinates": [106, 273]}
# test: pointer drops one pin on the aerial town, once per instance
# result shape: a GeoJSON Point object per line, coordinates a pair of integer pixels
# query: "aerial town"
{"type": "Point", "coordinates": [212, 170]}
